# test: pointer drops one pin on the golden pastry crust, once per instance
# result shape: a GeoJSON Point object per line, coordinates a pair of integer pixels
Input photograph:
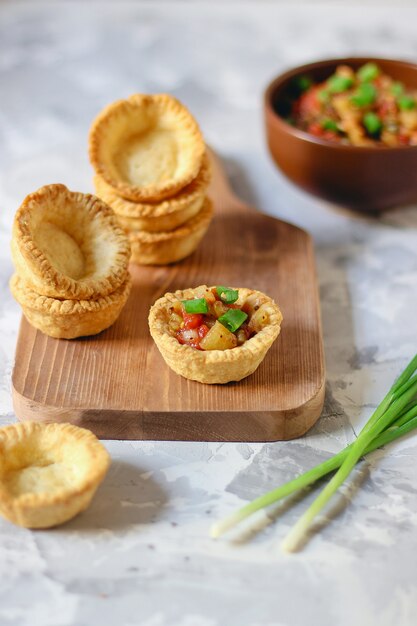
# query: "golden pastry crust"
{"type": "Point", "coordinates": [69, 245]}
{"type": "Point", "coordinates": [68, 319]}
{"type": "Point", "coordinates": [171, 246]}
{"type": "Point", "coordinates": [147, 147]}
{"type": "Point", "coordinates": [162, 216]}
{"type": "Point", "coordinates": [212, 366]}
{"type": "Point", "coordinates": [48, 472]}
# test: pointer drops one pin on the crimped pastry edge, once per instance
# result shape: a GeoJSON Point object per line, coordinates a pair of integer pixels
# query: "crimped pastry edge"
{"type": "Point", "coordinates": [69, 319]}
{"type": "Point", "coordinates": [24, 507]}
{"type": "Point", "coordinates": [128, 208]}
{"type": "Point", "coordinates": [33, 264]}
{"type": "Point", "coordinates": [156, 192]}
{"type": "Point", "coordinates": [205, 214]}
{"type": "Point", "coordinates": [171, 246]}
{"type": "Point", "coordinates": [164, 223]}
{"type": "Point", "coordinates": [212, 366]}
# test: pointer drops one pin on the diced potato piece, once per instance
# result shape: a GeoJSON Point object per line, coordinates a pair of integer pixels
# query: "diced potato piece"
{"type": "Point", "coordinates": [177, 307]}
{"type": "Point", "coordinates": [346, 71]}
{"type": "Point", "coordinates": [253, 302]}
{"type": "Point", "coordinates": [409, 119]}
{"type": "Point", "coordinates": [390, 139]}
{"type": "Point", "coordinates": [218, 308]}
{"type": "Point", "coordinates": [241, 337]}
{"type": "Point", "coordinates": [259, 319]}
{"type": "Point", "coordinates": [205, 293]}
{"type": "Point", "coordinates": [218, 338]}
{"type": "Point", "coordinates": [174, 323]}
{"type": "Point", "coordinates": [344, 108]}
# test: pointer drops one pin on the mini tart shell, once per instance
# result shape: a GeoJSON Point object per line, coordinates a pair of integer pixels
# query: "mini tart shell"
{"type": "Point", "coordinates": [211, 366]}
{"type": "Point", "coordinates": [68, 319]}
{"type": "Point", "coordinates": [169, 247]}
{"type": "Point", "coordinates": [35, 447]}
{"type": "Point", "coordinates": [84, 222]}
{"type": "Point", "coordinates": [123, 121]}
{"type": "Point", "coordinates": [162, 216]}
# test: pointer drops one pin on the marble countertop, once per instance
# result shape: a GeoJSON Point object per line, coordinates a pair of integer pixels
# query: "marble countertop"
{"type": "Point", "coordinates": [141, 554]}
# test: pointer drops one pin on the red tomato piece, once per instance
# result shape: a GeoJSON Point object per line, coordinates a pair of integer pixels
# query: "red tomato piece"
{"type": "Point", "coordinates": [309, 103]}
{"type": "Point", "coordinates": [387, 107]}
{"type": "Point", "coordinates": [329, 134]}
{"type": "Point", "coordinates": [202, 331]}
{"type": "Point", "coordinates": [403, 140]}
{"type": "Point", "coordinates": [192, 320]}
{"type": "Point", "coordinates": [315, 129]}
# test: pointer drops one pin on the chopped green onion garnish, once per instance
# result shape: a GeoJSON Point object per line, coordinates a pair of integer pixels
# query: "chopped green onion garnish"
{"type": "Point", "coordinates": [406, 103]}
{"type": "Point", "coordinates": [365, 94]}
{"type": "Point", "coordinates": [397, 89]}
{"type": "Point", "coordinates": [337, 84]}
{"type": "Point", "coordinates": [233, 319]}
{"type": "Point", "coordinates": [227, 295]}
{"type": "Point", "coordinates": [329, 125]}
{"type": "Point", "coordinates": [394, 417]}
{"type": "Point", "coordinates": [372, 123]}
{"type": "Point", "coordinates": [323, 96]}
{"type": "Point", "coordinates": [198, 305]}
{"type": "Point", "coordinates": [368, 72]}
{"type": "Point", "coordinates": [303, 82]}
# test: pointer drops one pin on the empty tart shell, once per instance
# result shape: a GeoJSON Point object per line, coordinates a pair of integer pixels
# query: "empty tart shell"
{"type": "Point", "coordinates": [68, 319]}
{"type": "Point", "coordinates": [212, 366]}
{"type": "Point", "coordinates": [147, 147]}
{"type": "Point", "coordinates": [69, 245]}
{"type": "Point", "coordinates": [48, 472]}
{"type": "Point", "coordinates": [171, 246]}
{"type": "Point", "coordinates": [162, 216]}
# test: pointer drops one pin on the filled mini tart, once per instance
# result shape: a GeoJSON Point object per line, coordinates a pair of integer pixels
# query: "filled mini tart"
{"type": "Point", "coordinates": [214, 334]}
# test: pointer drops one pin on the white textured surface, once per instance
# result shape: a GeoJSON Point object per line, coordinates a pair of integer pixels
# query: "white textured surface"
{"type": "Point", "coordinates": [141, 553]}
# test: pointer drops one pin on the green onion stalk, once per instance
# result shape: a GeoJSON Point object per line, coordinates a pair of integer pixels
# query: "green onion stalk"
{"type": "Point", "coordinates": [395, 416]}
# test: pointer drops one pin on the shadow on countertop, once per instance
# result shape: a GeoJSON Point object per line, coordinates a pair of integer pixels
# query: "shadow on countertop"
{"type": "Point", "coordinates": [127, 497]}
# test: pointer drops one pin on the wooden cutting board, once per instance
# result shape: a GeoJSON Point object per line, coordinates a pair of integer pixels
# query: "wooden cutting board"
{"type": "Point", "coordinates": [117, 384]}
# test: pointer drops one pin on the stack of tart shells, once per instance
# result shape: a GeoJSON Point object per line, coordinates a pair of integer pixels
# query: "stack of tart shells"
{"type": "Point", "coordinates": [151, 167]}
{"type": "Point", "coordinates": [71, 258]}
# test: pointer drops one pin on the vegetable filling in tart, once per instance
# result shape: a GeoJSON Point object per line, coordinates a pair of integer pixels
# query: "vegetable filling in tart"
{"type": "Point", "coordinates": [214, 334]}
{"type": "Point", "coordinates": [217, 319]}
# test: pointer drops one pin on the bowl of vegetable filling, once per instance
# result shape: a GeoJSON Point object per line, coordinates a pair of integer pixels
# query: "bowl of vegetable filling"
{"type": "Point", "coordinates": [346, 130]}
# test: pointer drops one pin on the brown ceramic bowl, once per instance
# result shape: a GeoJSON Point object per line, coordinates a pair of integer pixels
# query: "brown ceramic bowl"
{"type": "Point", "coordinates": [368, 179]}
